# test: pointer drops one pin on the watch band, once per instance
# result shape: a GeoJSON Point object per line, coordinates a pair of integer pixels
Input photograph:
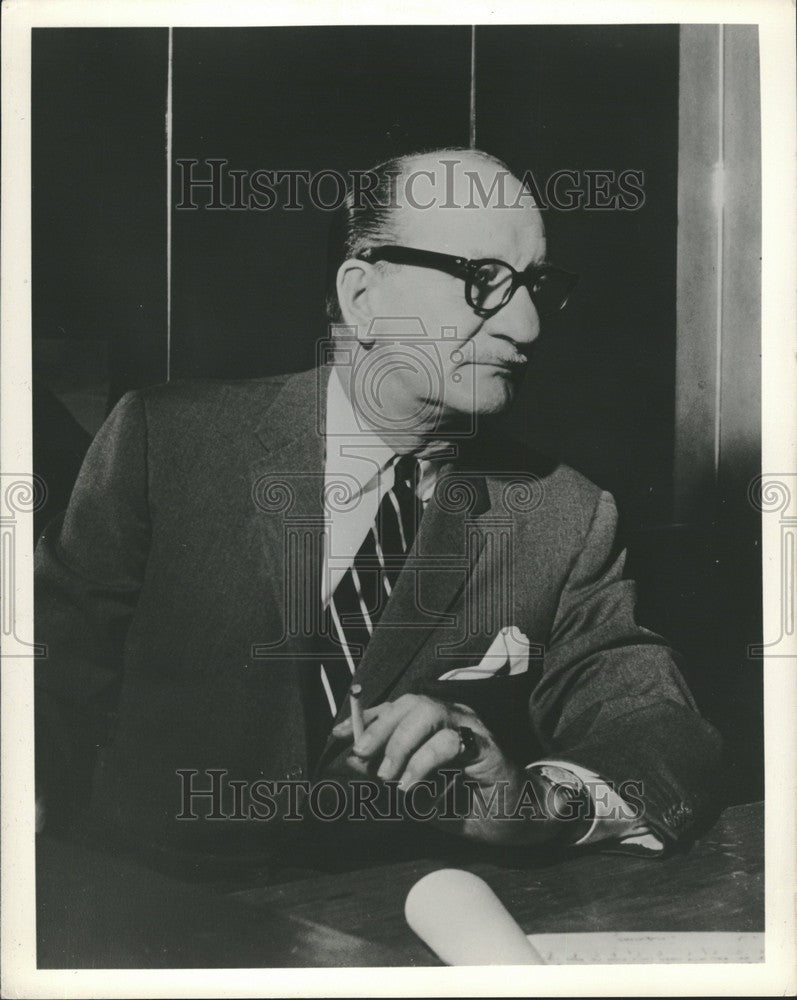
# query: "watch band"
{"type": "Point", "coordinates": [564, 797]}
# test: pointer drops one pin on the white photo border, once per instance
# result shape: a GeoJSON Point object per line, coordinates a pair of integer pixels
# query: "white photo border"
{"type": "Point", "coordinates": [776, 22]}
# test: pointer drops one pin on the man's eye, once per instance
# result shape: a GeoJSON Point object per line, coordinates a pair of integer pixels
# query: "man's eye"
{"type": "Point", "coordinates": [488, 274]}
{"type": "Point", "coordinates": [491, 275]}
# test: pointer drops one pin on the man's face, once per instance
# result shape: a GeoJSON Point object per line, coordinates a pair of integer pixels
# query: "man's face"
{"type": "Point", "coordinates": [465, 365]}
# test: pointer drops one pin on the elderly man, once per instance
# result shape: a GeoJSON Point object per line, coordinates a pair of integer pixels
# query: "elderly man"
{"type": "Point", "coordinates": [237, 556]}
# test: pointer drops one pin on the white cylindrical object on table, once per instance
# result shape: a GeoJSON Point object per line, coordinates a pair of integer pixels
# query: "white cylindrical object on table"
{"type": "Point", "coordinates": [462, 920]}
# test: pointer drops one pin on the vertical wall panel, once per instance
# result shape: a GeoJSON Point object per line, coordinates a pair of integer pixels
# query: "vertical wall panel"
{"type": "Point", "coordinates": [247, 288]}
{"type": "Point", "coordinates": [594, 98]}
{"type": "Point", "coordinates": [718, 414]}
{"type": "Point", "coordinates": [99, 195]}
{"type": "Point", "coordinates": [740, 369]}
{"type": "Point", "coordinates": [699, 271]}
{"type": "Point", "coordinates": [718, 420]}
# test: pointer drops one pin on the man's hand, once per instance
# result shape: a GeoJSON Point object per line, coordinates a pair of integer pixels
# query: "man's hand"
{"type": "Point", "coordinates": [412, 738]}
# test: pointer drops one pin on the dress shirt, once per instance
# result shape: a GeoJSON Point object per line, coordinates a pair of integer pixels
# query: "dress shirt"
{"type": "Point", "coordinates": [358, 471]}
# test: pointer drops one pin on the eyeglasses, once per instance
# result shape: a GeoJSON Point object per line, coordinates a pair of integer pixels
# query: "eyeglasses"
{"type": "Point", "coordinates": [489, 283]}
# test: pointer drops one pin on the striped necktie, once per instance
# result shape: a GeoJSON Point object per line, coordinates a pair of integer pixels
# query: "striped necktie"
{"type": "Point", "coordinates": [360, 598]}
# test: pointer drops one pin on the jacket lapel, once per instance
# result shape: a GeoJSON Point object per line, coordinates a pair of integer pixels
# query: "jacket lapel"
{"type": "Point", "coordinates": [442, 558]}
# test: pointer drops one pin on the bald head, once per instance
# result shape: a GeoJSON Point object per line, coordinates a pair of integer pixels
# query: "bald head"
{"type": "Point", "coordinates": [437, 200]}
{"type": "Point", "coordinates": [469, 204]}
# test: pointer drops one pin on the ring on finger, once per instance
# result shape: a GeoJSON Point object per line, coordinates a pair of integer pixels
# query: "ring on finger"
{"type": "Point", "coordinates": [468, 746]}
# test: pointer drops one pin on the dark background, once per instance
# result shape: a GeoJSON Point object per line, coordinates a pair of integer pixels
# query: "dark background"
{"type": "Point", "coordinates": [247, 287]}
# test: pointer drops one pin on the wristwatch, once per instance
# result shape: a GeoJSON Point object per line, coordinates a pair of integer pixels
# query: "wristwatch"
{"type": "Point", "coordinates": [564, 797]}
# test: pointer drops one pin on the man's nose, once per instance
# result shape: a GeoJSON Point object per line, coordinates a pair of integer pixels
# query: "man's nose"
{"type": "Point", "coordinates": [518, 321]}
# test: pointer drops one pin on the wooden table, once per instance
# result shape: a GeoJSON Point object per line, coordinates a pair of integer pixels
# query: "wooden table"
{"type": "Point", "coordinates": [717, 886]}
{"type": "Point", "coordinates": [101, 912]}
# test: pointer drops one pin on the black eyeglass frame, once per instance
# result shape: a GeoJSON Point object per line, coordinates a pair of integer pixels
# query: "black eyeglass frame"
{"type": "Point", "coordinates": [466, 268]}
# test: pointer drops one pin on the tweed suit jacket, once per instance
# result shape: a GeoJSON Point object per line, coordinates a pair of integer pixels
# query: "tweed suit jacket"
{"type": "Point", "coordinates": [176, 600]}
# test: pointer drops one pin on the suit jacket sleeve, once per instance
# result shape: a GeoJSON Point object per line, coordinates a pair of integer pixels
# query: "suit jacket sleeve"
{"type": "Point", "coordinates": [612, 699]}
{"type": "Point", "coordinates": [89, 566]}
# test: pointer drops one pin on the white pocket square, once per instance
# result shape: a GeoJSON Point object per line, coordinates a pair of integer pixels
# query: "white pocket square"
{"type": "Point", "coordinates": [508, 654]}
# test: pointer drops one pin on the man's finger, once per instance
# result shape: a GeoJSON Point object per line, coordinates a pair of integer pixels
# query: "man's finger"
{"type": "Point", "coordinates": [442, 748]}
{"type": "Point", "coordinates": [378, 731]}
{"type": "Point", "coordinates": [412, 731]}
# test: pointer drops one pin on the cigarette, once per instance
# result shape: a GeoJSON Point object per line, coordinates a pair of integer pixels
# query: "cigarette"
{"type": "Point", "coordinates": [357, 720]}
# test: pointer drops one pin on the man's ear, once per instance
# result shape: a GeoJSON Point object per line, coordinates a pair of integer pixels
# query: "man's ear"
{"type": "Point", "coordinates": [355, 287]}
